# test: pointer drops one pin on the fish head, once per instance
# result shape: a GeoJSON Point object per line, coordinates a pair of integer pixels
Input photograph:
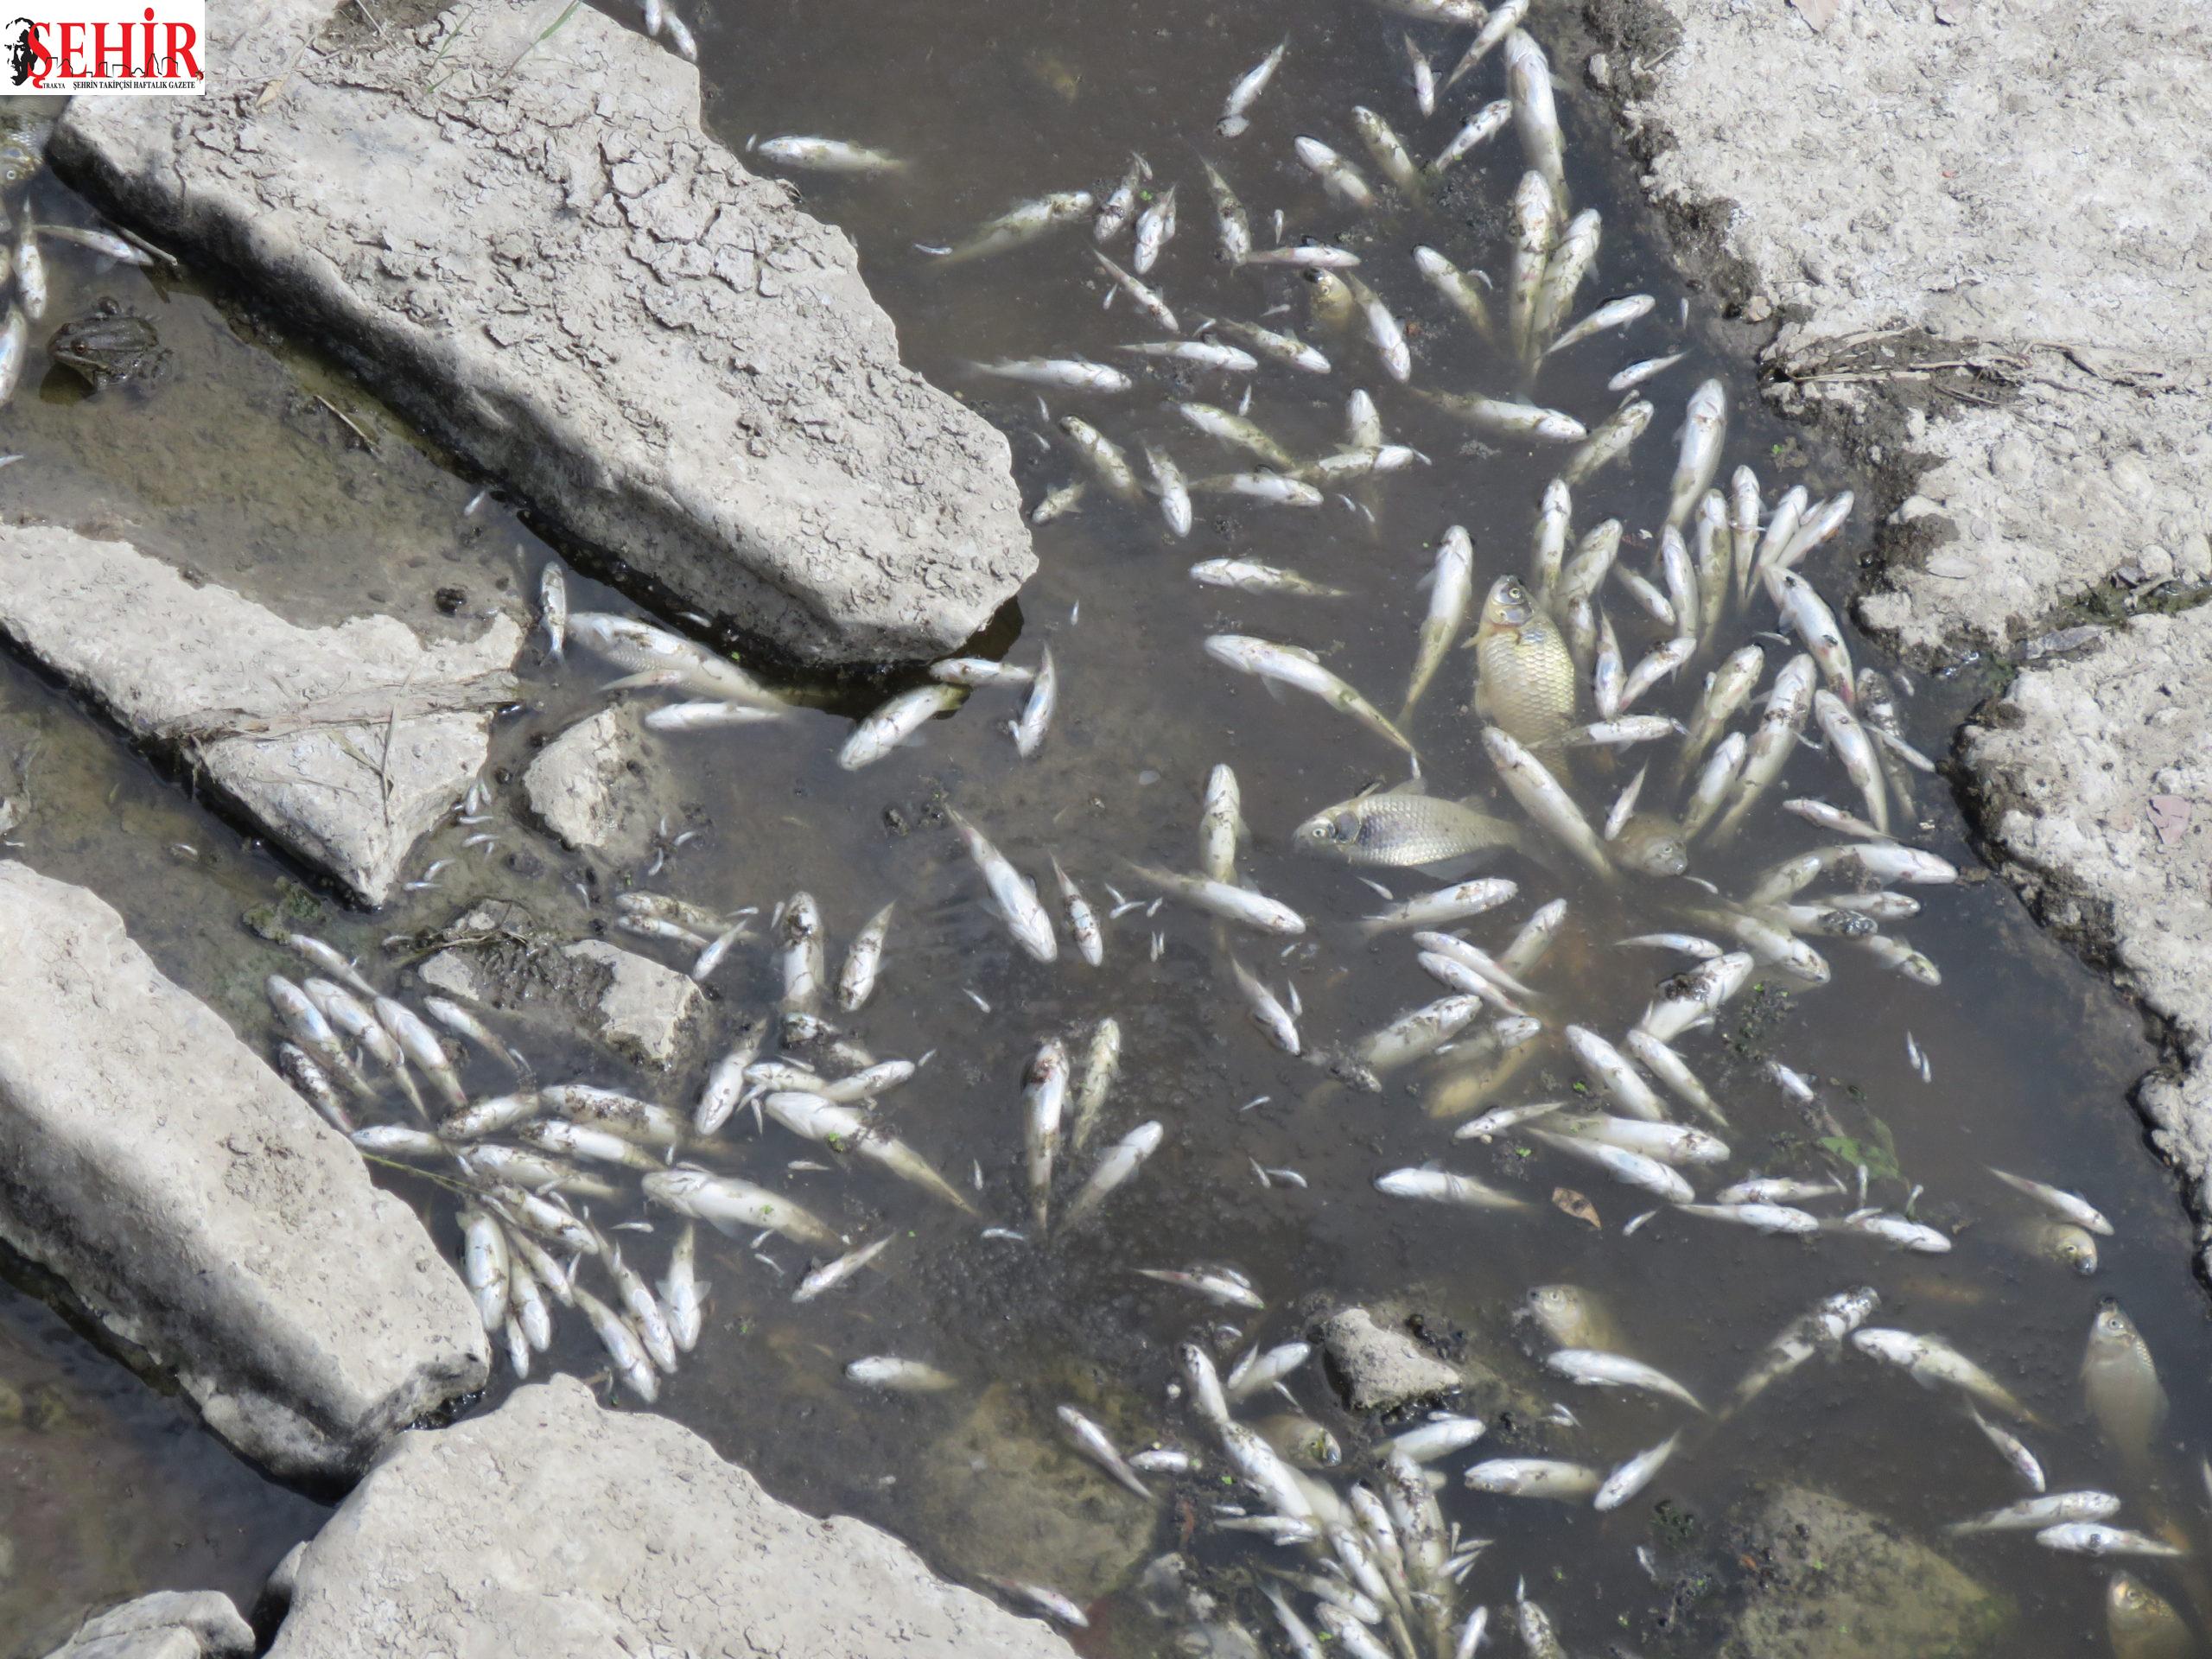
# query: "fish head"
{"type": "Point", "coordinates": [1327, 831]}
{"type": "Point", "coordinates": [2112, 1333]}
{"type": "Point", "coordinates": [2074, 1248]}
{"type": "Point", "coordinates": [1507, 607]}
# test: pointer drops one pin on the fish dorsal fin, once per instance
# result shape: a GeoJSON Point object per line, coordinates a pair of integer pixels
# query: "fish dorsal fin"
{"type": "Point", "coordinates": [1415, 785]}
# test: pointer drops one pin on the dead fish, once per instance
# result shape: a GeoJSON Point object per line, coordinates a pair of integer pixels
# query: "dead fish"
{"type": "Point", "coordinates": [1250, 576]}
{"type": "Point", "coordinates": [1058, 373]}
{"type": "Point", "coordinates": [1451, 586]}
{"type": "Point", "coordinates": [824, 156]}
{"type": "Point", "coordinates": [1338, 177]}
{"type": "Point", "coordinates": [832, 1274]}
{"type": "Point", "coordinates": [1246, 92]}
{"type": "Point", "coordinates": [1155, 230]}
{"type": "Point", "coordinates": [1294, 666]}
{"type": "Point", "coordinates": [2126, 1401]}
{"type": "Point", "coordinates": [1020, 224]}
{"type": "Point", "coordinates": [1012, 894]}
{"type": "Point", "coordinates": [1484, 125]}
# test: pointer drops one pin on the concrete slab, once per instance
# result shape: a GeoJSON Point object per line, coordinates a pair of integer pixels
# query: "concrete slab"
{"type": "Point", "coordinates": [193, 1208]}
{"type": "Point", "coordinates": [346, 745]}
{"type": "Point", "coordinates": [167, 1624]}
{"type": "Point", "coordinates": [1925, 173]}
{"type": "Point", "coordinates": [536, 252]}
{"type": "Point", "coordinates": [554, 1527]}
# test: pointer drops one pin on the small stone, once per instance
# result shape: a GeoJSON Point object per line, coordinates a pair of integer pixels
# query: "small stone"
{"type": "Point", "coordinates": [1758, 308]}
{"type": "Point", "coordinates": [585, 787]}
{"type": "Point", "coordinates": [1380, 1368]}
{"type": "Point", "coordinates": [647, 1013]}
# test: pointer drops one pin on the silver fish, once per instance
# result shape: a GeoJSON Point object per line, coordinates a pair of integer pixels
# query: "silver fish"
{"type": "Point", "coordinates": [1608, 440]}
{"type": "Point", "coordinates": [1155, 230]}
{"type": "Point", "coordinates": [1704, 428]}
{"type": "Point", "coordinates": [1339, 176]}
{"type": "Point", "coordinates": [1146, 299]}
{"type": "Point", "coordinates": [1115, 212]}
{"type": "Point", "coordinates": [1237, 432]}
{"type": "Point", "coordinates": [1233, 227]}
{"type": "Point", "coordinates": [1020, 224]}
{"type": "Point", "coordinates": [1528, 79]}
{"type": "Point", "coordinates": [1459, 290]}
{"type": "Point", "coordinates": [1294, 666]}
{"type": "Point", "coordinates": [1168, 485]}
{"type": "Point", "coordinates": [1540, 796]}
{"type": "Point", "coordinates": [1484, 125]}
{"type": "Point", "coordinates": [1441, 1186]}
{"type": "Point", "coordinates": [1119, 1165]}
{"type": "Point", "coordinates": [1534, 1477]}
{"type": "Point", "coordinates": [1013, 895]}
{"type": "Point", "coordinates": [1058, 373]}
{"type": "Point", "coordinates": [896, 1376]}
{"type": "Point", "coordinates": [553, 610]}
{"type": "Point", "coordinates": [1614, 314]}
{"type": "Point", "coordinates": [1450, 590]}
{"type": "Point", "coordinates": [2097, 1541]}
{"type": "Point", "coordinates": [1633, 1475]}
{"type": "Point", "coordinates": [1596, 1368]}
{"type": "Point", "coordinates": [735, 1207]}
{"type": "Point", "coordinates": [1045, 1087]}
{"type": "Point", "coordinates": [824, 156]}
{"type": "Point", "coordinates": [832, 1274]}
{"type": "Point", "coordinates": [2034, 1514]}
{"type": "Point", "coordinates": [1250, 576]}
{"type": "Point", "coordinates": [1225, 899]}
{"type": "Point", "coordinates": [1108, 467]}
{"type": "Point", "coordinates": [1246, 92]}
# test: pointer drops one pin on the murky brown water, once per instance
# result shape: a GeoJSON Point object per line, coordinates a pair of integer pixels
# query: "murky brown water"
{"type": "Point", "coordinates": [2031, 1059]}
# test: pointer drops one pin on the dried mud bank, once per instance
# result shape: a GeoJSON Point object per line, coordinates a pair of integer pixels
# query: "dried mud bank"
{"type": "Point", "coordinates": [1979, 236]}
{"type": "Point", "coordinates": [194, 1209]}
{"type": "Point", "coordinates": [529, 247]}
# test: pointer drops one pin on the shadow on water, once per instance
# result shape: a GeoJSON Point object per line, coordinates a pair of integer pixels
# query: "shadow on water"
{"type": "Point", "coordinates": [2031, 1057]}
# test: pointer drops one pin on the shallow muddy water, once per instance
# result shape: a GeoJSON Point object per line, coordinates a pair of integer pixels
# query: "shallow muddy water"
{"type": "Point", "coordinates": [2029, 1057]}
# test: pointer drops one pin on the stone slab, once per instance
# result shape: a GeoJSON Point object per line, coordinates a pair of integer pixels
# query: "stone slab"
{"type": "Point", "coordinates": [1924, 171]}
{"type": "Point", "coordinates": [167, 1624]}
{"type": "Point", "coordinates": [536, 252]}
{"type": "Point", "coordinates": [590, 786]}
{"type": "Point", "coordinates": [557, 1529]}
{"type": "Point", "coordinates": [211, 1224]}
{"type": "Point", "coordinates": [344, 744]}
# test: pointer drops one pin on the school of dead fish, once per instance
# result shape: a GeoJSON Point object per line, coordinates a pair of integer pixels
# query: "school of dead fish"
{"type": "Point", "coordinates": [1629, 741]}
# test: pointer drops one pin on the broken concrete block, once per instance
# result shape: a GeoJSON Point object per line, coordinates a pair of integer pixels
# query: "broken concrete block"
{"type": "Point", "coordinates": [346, 745]}
{"type": "Point", "coordinates": [531, 247]}
{"type": "Point", "coordinates": [217, 1230]}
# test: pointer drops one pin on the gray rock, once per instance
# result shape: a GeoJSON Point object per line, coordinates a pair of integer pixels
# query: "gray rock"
{"type": "Point", "coordinates": [1838, 1583]}
{"type": "Point", "coordinates": [588, 787]}
{"type": "Point", "coordinates": [195, 1209]}
{"type": "Point", "coordinates": [167, 1624]}
{"type": "Point", "coordinates": [536, 253]}
{"type": "Point", "coordinates": [645, 1011]}
{"type": "Point", "coordinates": [553, 1528]}
{"type": "Point", "coordinates": [295, 725]}
{"type": "Point", "coordinates": [1378, 1366]}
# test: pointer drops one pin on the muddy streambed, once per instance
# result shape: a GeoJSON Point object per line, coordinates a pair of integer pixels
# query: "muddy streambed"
{"type": "Point", "coordinates": [229, 463]}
